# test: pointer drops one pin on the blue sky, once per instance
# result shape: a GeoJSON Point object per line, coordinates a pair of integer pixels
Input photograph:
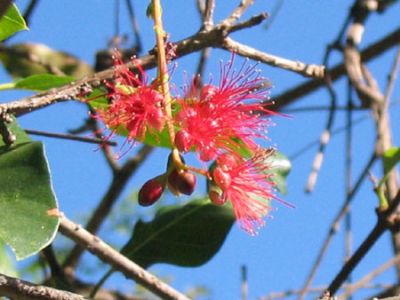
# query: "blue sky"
{"type": "Point", "coordinates": [280, 256]}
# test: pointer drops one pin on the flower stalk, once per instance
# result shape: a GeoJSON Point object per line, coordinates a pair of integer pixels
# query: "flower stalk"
{"type": "Point", "coordinates": [162, 70]}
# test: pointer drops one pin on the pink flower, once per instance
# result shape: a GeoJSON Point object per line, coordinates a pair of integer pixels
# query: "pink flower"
{"type": "Point", "coordinates": [247, 185]}
{"type": "Point", "coordinates": [223, 118]}
{"type": "Point", "coordinates": [134, 105]}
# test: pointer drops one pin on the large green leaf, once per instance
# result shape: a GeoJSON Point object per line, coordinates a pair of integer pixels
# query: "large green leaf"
{"type": "Point", "coordinates": [188, 235]}
{"type": "Point", "coordinates": [42, 82]}
{"type": "Point", "coordinates": [28, 207]}
{"type": "Point", "coordinates": [11, 22]}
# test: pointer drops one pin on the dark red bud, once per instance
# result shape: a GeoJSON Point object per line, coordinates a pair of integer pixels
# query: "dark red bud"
{"type": "Point", "coordinates": [183, 141]}
{"type": "Point", "coordinates": [150, 192]}
{"type": "Point", "coordinates": [216, 198]}
{"type": "Point", "coordinates": [182, 181]}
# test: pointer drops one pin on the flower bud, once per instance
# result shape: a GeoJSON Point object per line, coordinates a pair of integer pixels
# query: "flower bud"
{"type": "Point", "coordinates": [183, 141]}
{"type": "Point", "coordinates": [182, 181]}
{"type": "Point", "coordinates": [221, 178]}
{"type": "Point", "coordinates": [216, 198]}
{"type": "Point", "coordinates": [151, 191]}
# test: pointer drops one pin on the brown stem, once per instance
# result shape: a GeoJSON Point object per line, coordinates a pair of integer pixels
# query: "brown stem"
{"type": "Point", "coordinates": [71, 137]}
{"type": "Point", "coordinates": [15, 288]}
{"type": "Point", "coordinates": [119, 262]}
{"type": "Point", "coordinates": [380, 227]}
{"type": "Point", "coordinates": [334, 227]}
{"type": "Point", "coordinates": [299, 91]}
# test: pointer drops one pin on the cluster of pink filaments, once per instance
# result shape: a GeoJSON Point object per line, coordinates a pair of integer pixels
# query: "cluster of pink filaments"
{"type": "Point", "coordinates": [223, 118]}
{"type": "Point", "coordinates": [134, 105]}
{"type": "Point", "coordinates": [218, 122]}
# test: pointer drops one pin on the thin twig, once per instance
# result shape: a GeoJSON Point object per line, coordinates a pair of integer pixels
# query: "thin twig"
{"type": "Point", "coordinates": [317, 141]}
{"type": "Point", "coordinates": [348, 242]}
{"type": "Point", "coordinates": [29, 10]}
{"type": "Point", "coordinates": [318, 108]}
{"type": "Point", "coordinates": [384, 220]}
{"type": "Point", "coordinates": [71, 137]}
{"type": "Point", "coordinates": [119, 262]}
{"type": "Point", "coordinates": [326, 133]}
{"type": "Point", "coordinates": [324, 139]}
{"type": "Point", "coordinates": [274, 13]}
{"type": "Point", "coordinates": [121, 177]}
{"type": "Point", "coordinates": [313, 290]}
{"type": "Point", "coordinates": [336, 72]}
{"type": "Point", "coordinates": [307, 70]}
{"type": "Point", "coordinates": [238, 12]}
{"type": "Point", "coordinates": [392, 79]}
{"type": "Point", "coordinates": [244, 283]}
{"type": "Point", "coordinates": [335, 226]}
{"type": "Point", "coordinates": [365, 280]}
{"type": "Point", "coordinates": [15, 288]}
{"type": "Point", "coordinates": [135, 26]}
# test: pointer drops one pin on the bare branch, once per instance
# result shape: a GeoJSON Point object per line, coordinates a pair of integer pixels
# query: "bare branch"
{"type": "Point", "coordinates": [23, 290]}
{"type": "Point", "coordinates": [385, 221]}
{"type": "Point", "coordinates": [238, 12]}
{"type": "Point", "coordinates": [372, 51]}
{"type": "Point", "coordinates": [119, 262]}
{"type": "Point", "coordinates": [335, 227]}
{"type": "Point", "coordinates": [71, 137]}
{"type": "Point", "coordinates": [276, 61]}
{"type": "Point", "coordinates": [352, 288]}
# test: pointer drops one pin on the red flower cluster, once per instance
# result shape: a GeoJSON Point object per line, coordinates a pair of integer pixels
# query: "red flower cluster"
{"type": "Point", "coordinates": [134, 105]}
{"type": "Point", "coordinates": [223, 118]}
{"type": "Point", "coordinates": [215, 121]}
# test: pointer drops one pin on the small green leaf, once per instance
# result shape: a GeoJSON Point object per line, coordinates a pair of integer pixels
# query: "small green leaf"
{"type": "Point", "coordinates": [150, 10]}
{"type": "Point", "coordinates": [390, 158]}
{"type": "Point", "coordinates": [188, 235]}
{"type": "Point", "coordinates": [43, 82]}
{"type": "Point", "coordinates": [11, 22]}
{"type": "Point", "coordinates": [28, 207]}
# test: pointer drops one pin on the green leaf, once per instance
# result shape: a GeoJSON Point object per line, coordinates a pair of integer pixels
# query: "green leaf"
{"type": "Point", "coordinates": [390, 158]}
{"type": "Point", "coordinates": [280, 167]}
{"type": "Point", "coordinates": [43, 82]}
{"type": "Point", "coordinates": [28, 207]}
{"type": "Point", "coordinates": [188, 235]}
{"type": "Point", "coordinates": [11, 22]}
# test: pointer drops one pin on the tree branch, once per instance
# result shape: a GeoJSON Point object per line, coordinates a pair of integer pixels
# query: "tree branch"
{"type": "Point", "coordinates": [385, 220]}
{"type": "Point", "coordinates": [315, 71]}
{"type": "Point", "coordinates": [119, 262]}
{"type": "Point", "coordinates": [372, 51]}
{"type": "Point", "coordinates": [24, 290]}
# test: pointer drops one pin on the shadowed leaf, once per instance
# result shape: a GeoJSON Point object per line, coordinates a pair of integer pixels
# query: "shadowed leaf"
{"type": "Point", "coordinates": [188, 235]}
